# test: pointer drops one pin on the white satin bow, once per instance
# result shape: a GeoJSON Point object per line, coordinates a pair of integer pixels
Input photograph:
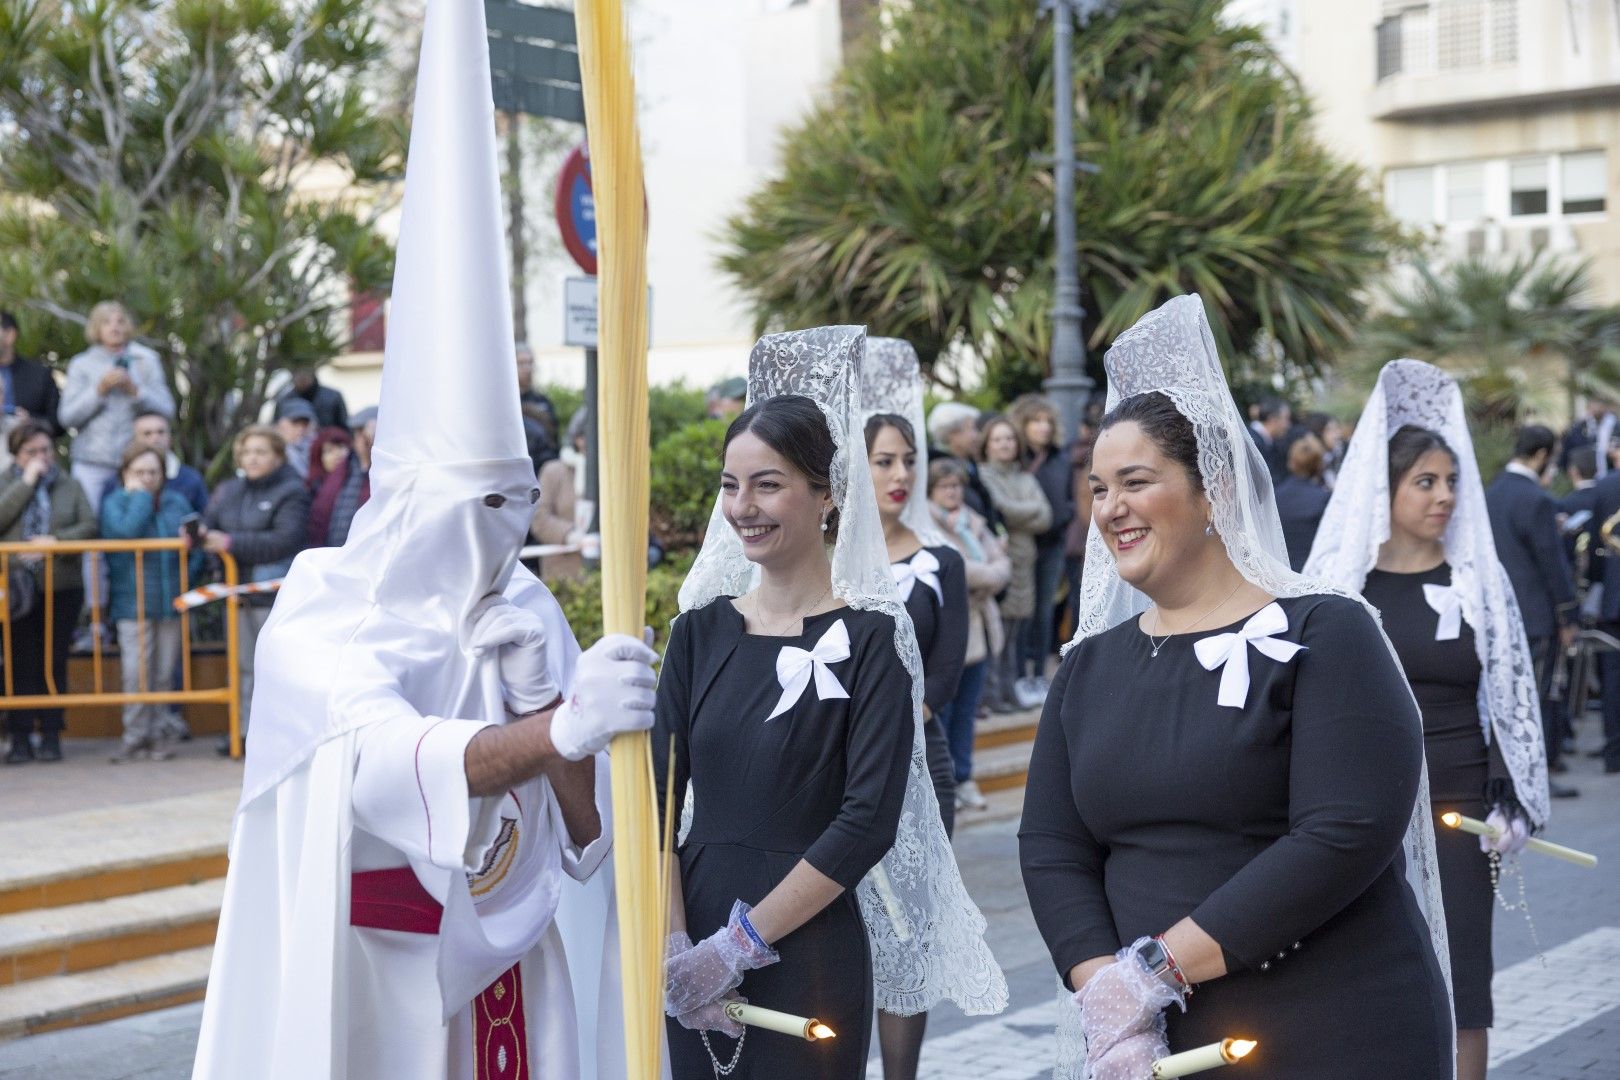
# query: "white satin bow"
{"type": "Point", "coordinates": [794, 667]}
{"type": "Point", "coordinates": [1231, 649]}
{"type": "Point", "coordinates": [1448, 605]}
{"type": "Point", "coordinates": [923, 567]}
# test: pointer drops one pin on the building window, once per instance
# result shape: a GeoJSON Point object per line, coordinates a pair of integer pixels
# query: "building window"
{"type": "Point", "coordinates": [1527, 187]}
{"type": "Point", "coordinates": [1411, 195]}
{"type": "Point", "coordinates": [1585, 182]}
{"type": "Point", "coordinates": [1465, 193]}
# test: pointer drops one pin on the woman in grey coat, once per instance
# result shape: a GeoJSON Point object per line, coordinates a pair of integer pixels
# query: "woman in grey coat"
{"type": "Point", "coordinates": [1026, 514]}
{"type": "Point", "coordinates": [260, 516]}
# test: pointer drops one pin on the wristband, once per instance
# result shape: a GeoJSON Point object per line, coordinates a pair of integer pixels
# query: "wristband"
{"type": "Point", "coordinates": [748, 928]}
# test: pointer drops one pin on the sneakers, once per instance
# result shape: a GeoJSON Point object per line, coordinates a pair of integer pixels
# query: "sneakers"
{"type": "Point", "coordinates": [142, 751]}
{"type": "Point", "coordinates": [50, 746]}
{"type": "Point", "coordinates": [21, 752]}
{"type": "Point", "coordinates": [1030, 691]}
{"type": "Point", "coordinates": [969, 797]}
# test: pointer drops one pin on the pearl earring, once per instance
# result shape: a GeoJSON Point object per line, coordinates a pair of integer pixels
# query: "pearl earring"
{"type": "Point", "coordinates": [823, 524]}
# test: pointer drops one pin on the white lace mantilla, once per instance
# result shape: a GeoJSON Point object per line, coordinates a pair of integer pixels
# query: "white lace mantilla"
{"type": "Point", "coordinates": [926, 934]}
{"type": "Point", "coordinates": [1171, 350]}
{"type": "Point", "coordinates": [891, 382]}
{"type": "Point", "coordinates": [1356, 524]}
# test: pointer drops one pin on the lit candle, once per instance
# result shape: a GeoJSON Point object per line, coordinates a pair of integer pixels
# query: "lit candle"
{"type": "Point", "coordinates": [1212, 1056]}
{"type": "Point", "coordinates": [808, 1028]}
{"type": "Point", "coordinates": [1557, 851]}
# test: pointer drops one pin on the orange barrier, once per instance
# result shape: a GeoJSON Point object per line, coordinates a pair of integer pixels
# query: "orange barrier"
{"type": "Point", "coordinates": [229, 695]}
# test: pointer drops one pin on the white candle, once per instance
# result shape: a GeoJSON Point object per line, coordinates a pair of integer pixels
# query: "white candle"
{"type": "Point", "coordinates": [1212, 1056]}
{"type": "Point", "coordinates": [1490, 832]}
{"type": "Point", "coordinates": [808, 1028]}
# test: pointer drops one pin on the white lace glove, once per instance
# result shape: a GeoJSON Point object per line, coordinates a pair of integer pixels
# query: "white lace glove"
{"type": "Point", "coordinates": [1122, 1000]}
{"type": "Point", "coordinates": [714, 966]}
{"type": "Point", "coordinates": [1132, 1058]}
{"type": "Point", "coordinates": [1512, 833]}
{"type": "Point", "coordinates": [613, 695]}
{"type": "Point", "coordinates": [712, 1017]}
{"type": "Point", "coordinates": [520, 636]}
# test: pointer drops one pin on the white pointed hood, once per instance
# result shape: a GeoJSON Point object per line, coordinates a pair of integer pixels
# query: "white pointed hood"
{"type": "Point", "coordinates": [452, 487]}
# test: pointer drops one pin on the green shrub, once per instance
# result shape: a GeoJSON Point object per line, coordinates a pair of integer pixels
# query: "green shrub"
{"type": "Point", "coordinates": [669, 408]}
{"type": "Point", "coordinates": [581, 600]}
{"type": "Point", "coordinates": [685, 477]}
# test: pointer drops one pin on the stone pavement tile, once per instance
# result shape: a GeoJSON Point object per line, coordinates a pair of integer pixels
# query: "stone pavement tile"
{"type": "Point", "coordinates": [131, 834]}
{"type": "Point", "coordinates": [84, 779]}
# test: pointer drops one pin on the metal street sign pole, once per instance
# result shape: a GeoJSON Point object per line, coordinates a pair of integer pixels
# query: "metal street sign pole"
{"type": "Point", "coordinates": [1068, 385]}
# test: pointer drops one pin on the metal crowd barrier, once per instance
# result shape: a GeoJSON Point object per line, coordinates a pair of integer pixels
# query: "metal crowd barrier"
{"type": "Point", "coordinates": [228, 695]}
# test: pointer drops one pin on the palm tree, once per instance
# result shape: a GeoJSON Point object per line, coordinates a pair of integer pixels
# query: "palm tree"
{"type": "Point", "coordinates": [917, 197]}
{"type": "Point", "coordinates": [1519, 334]}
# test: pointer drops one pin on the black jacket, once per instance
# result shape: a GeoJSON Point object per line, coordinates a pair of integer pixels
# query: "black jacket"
{"type": "Point", "coordinates": [268, 522]}
{"type": "Point", "coordinates": [330, 408]}
{"type": "Point", "coordinates": [1056, 477]}
{"type": "Point", "coordinates": [1524, 524]}
{"type": "Point", "coordinates": [33, 388]}
{"type": "Point", "coordinates": [1300, 504]}
{"type": "Point", "coordinates": [1603, 500]}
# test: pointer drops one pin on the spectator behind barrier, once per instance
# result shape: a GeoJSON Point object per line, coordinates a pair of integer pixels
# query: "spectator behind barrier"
{"type": "Point", "coordinates": [27, 388]}
{"type": "Point", "coordinates": [1026, 514]}
{"type": "Point", "coordinates": [330, 408]}
{"type": "Point", "coordinates": [339, 486]}
{"type": "Point", "coordinates": [40, 503]}
{"type": "Point", "coordinates": [154, 430]}
{"type": "Point", "coordinates": [142, 507]}
{"type": "Point", "coordinates": [295, 423]}
{"type": "Point", "coordinates": [260, 516]}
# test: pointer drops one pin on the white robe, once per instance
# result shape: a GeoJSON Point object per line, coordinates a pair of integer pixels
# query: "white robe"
{"type": "Point", "coordinates": [295, 991]}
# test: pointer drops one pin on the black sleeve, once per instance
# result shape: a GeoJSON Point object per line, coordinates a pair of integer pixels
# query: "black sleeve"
{"type": "Point", "coordinates": [1356, 754]}
{"type": "Point", "coordinates": [942, 666]}
{"type": "Point", "coordinates": [1542, 538]}
{"type": "Point", "coordinates": [877, 755]}
{"type": "Point", "coordinates": [289, 528]}
{"type": "Point", "coordinates": [1061, 860]}
{"type": "Point", "coordinates": [671, 719]}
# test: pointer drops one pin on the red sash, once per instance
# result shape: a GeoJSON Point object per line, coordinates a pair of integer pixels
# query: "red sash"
{"type": "Point", "coordinates": [395, 900]}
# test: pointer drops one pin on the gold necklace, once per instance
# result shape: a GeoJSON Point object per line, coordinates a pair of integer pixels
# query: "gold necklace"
{"type": "Point", "coordinates": [1158, 620]}
{"type": "Point", "coordinates": [798, 614]}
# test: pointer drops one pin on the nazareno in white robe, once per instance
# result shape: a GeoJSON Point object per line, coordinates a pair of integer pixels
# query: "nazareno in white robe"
{"type": "Point", "coordinates": [295, 991]}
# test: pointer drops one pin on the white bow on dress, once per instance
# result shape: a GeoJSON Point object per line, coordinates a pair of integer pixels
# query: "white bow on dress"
{"type": "Point", "coordinates": [1231, 649]}
{"type": "Point", "coordinates": [794, 667]}
{"type": "Point", "coordinates": [923, 567]}
{"type": "Point", "coordinates": [1448, 605]}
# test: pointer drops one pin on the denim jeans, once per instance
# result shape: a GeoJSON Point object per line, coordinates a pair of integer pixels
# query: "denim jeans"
{"type": "Point", "coordinates": [957, 717]}
{"type": "Point", "coordinates": [1035, 643]}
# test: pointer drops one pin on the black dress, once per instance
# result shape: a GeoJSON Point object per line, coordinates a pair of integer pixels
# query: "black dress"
{"type": "Point", "coordinates": [1277, 827]}
{"type": "Point", "coordinates": [1464, 775]}
{"type": "Point", "coordinates": [824, 782]}
{"type": "Point", "coordinates": [941, 621]}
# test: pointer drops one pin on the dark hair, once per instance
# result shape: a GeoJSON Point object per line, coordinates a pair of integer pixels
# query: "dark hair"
{"type": "Point", "coordinates": [1269, 408]}
{"type": "Point", "coordinates": [794, 427]}
{"type": "Point", "coordinates": [878, 421]}
{"type": "Point", "coordinates": [24, 432]}
{"type": "Point", "coordinates": [8, 321]}
{"type": "Point", "coordinates": [1409, 443]}
{"type": "Point", "coordinates": [144, 413]}
{"type": "Point", "coordinates": [1532, 440]}
{"type": "Point", "coordinates": [1583, 459]}
{"type": "Point", "coordinates": [1318, 423]}
{"type": "Point", "coordinates": [134, 452]}
{"type": "Point", "coordinates": [943, 469]}
{"type": "Point", "coordinates": [1162, 422]}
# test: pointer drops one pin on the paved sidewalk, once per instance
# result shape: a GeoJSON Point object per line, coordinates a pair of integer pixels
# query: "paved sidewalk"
{"type": "Point", "coordinates": [85, 780]}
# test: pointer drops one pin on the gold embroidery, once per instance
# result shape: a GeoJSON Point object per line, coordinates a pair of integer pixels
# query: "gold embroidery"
{"type": "Point", "coordinates": [497, 861]}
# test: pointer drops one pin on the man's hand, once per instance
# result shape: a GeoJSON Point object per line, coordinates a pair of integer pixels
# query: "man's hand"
{"type": "Point", "coordinates": [520, 636]}
{"type": "Point", "coordinates": [1566, 634]}
{"type": "Point", "coordinates": [613, 695]}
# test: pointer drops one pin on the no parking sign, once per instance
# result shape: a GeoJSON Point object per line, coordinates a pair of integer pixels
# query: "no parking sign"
{"type": "Point", "coordinates": [576, 209]}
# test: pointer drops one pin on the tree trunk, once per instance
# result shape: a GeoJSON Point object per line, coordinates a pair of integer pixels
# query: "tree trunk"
{"type": "Point", "coordinates": [517, 225]}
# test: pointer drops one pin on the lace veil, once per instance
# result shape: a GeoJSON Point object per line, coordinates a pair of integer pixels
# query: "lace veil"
{"type": "Point", "coordinates": [891, 382]}
{"type": "Point", "coordinates": [927, 935]}
{"type": "Point", "coordinates": [1356, 524]}
{"type": "Point", "coordinates": [1171, 350]}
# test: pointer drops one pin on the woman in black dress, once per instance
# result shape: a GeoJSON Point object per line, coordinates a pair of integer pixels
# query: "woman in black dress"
{"type": "Point", "coordinates": [931, 580]}
{"type": "Point", "coordinates": [1408, 527]}
{"type": "Point", "coordinates": [1221, 785]}
{"type": "Point", "coordinates": [791, 707]}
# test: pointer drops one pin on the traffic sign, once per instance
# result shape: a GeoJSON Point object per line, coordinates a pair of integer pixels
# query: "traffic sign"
{"type": "Point", "coordinates": [534, 60]}
{"type": "Point", "coordinates": [576, 209]}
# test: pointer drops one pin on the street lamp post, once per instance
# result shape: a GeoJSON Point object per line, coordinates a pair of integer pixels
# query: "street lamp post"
{"type": "Point", "coordinates": [1068, 385]}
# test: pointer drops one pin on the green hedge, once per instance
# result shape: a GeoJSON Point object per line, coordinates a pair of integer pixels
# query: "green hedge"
{"type": "Point", "coordinates": [669, 408]}
{"type": "Point", "coordinates": [685, 478]}
{"type": "Point", "coordinates": [581, 600]}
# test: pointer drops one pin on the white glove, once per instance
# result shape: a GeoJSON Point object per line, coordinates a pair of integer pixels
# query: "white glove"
{"type": "Point", "coordinates": [613, 695]}
{"type": "Point", "coordinates": [520, 635]}
{"type": "Point", "coordinates": [1512, 833]}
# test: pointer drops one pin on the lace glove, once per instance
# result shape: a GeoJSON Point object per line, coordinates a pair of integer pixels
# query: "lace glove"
{"type": "Point", "coordinates": [714, 966]}
{"type": "Point", "coordinates": [613, 695]}
{"type": "Point", "coordinates": [712, 1017]}
{"type": "Point", "coordinates": [520, 637]}
{"type": "Point", "coordinates": [1122, 1000]}
{"type": "Point", "coordinates": [1133, 1058]}
{"type": "Point", "coordinates": [1513, 832]}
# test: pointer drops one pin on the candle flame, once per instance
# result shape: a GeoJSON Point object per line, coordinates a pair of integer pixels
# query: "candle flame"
{"type": "Point", "coordinates": [1451, 818]}
{"type": "Point", "coordinates": [1240, 1048]}
{"type": "Point", "coordinates": [818, 1030]}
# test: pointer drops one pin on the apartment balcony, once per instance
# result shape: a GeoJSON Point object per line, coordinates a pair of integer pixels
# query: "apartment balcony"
{"type": "Point", "coordinates": [1441, 57]}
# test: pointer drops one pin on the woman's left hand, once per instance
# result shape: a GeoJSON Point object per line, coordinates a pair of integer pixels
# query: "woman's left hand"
{"type": "Point", "coordinates": [1512, 833]}
{"type": "Point", "coordinates": [1132, 1058]}
{"type": "Point", "coordinates": [216, 542]}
